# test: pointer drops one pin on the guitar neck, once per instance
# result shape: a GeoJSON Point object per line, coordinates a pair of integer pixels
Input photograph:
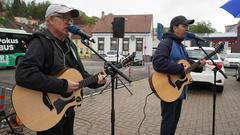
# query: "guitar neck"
{"type": "Point", "coordinates": [88, 81]}
{"type": "Point", "coordinates": [94, 78]}
{"type": "Point", "coordinates": [196, 64]}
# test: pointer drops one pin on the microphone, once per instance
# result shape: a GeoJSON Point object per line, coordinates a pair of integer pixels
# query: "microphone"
{"type": "Point", "coordinates": [75, 30]}
{"type": "Point", "coordinates": [190, 35]}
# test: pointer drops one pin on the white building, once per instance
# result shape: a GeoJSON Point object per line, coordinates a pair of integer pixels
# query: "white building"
{"type": "Point", "coordinates": [138, 36]}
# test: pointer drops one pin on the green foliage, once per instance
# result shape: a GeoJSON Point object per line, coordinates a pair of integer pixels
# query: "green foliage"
{"type": "Point", "coordinates": [86, 19]}
{"type": "Point", "coordinates": [1, 6]}
{"type": "Point", "coordinates": [93, 20]}
{"type": "Point", "coordinates": [16, 8]}
{"type": "Point", "coordinates": [3, 20]}
{"type": "Point", "coordinates": [34, 10]}
{"type": "Point", "coordinates": [202, 27]}
{"type": "Point", "coordinates": [37, 10]}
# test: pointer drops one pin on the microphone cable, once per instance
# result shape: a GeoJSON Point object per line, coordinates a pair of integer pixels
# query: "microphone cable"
{"type": "Point", "coordinates": [144, 112]}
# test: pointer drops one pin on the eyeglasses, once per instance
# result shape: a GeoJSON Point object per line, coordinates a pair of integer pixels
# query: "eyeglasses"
{"type": "Point", "coordinates": [64, 17]}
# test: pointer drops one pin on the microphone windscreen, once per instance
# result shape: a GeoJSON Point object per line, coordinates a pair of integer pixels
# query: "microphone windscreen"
{"type": "Point", "coordinates": [73, 29]}
{"type": "Point", "coordinates": [190, 35]}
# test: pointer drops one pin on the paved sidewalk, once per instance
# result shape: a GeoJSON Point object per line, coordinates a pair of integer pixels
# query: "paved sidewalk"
{"type": "Point", "coordinates": [94, 116]}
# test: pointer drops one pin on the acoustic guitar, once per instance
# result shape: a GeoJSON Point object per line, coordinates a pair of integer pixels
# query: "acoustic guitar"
{"type": "Point", "coordinates": [36, 115]}
{"type": "Point", "coordinates": [169, 87]}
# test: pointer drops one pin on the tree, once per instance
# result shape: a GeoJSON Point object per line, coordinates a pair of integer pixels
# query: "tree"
{"type": "Point", "coordinates": [16, 8]}
{"type": "Point", "coordinates": [37, 10]}
{"type": "Point", "coordinates": [1, 6]}
{"type": "Point", "coordinates": [202, 27]}
{"type": "Point", "coordinates": [86, 19]}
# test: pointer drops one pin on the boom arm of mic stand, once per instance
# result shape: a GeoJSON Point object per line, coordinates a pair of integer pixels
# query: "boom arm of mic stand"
{"type": "Point", "coordinates": [114, 68]}
{"type": "Point", "coordinates": [214, 63]}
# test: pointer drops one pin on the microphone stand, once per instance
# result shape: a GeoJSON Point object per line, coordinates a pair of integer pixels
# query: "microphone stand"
{"type": "Point", "coordinates": [215, 69]}
{"type": "Point", "coordinates": [113, 71]}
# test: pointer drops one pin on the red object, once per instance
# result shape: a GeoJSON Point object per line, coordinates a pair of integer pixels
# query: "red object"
{"type": "Point", "coordinates": [2, 97]}
{"type": "Point", "coordinates": [1, 106]}
{"type": "Point", "coordinates": [219, 64]}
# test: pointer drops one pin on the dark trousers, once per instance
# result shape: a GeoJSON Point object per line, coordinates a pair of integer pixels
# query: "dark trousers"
{"type": "Point", "coordinates": [64, 126]}
{"type": "Point", "coordinates": [170, 115]}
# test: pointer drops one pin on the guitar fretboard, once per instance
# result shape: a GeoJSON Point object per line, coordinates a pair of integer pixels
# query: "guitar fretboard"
{"type": "Point", "coordinates": [196, 65]}
{"type": "Point", "coordinates": [88, 81]}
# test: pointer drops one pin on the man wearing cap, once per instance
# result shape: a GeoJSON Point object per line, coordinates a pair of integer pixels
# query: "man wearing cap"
{"type": "Point", "coordinates": [49, 52]}
{"type": "Point", "coordinates": [169, 51]}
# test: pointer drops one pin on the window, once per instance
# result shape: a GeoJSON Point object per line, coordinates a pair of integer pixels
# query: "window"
{"type": "Point", "coordinates": [139, 44]}
{"type": "Point", "coordinates": [125, 46]}
{"type": "Point", "coordinates": [114, 44]}
{"type": "Point", "coordinates": [100, 45]}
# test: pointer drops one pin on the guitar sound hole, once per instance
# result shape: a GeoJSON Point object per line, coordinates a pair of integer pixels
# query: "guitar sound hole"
{"type": "Point", "coordinates": [78, 99]}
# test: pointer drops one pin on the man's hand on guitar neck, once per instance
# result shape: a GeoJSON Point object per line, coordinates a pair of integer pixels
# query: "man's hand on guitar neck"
{"type": "Point", "coordinates": [72, 86]}
{"type": "Point", "coordinates": [102, 77]}
{"type": "Point", "coordinates": [203, 62]}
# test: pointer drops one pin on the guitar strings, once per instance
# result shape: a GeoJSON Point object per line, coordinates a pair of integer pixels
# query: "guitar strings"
{"type": "Point", "coordinates": [144, 112]}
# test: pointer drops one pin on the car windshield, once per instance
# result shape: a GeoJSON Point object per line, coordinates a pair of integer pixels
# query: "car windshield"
{"type": "Point", "coordinates": [198, 54]}
{"type": "Point", "coordinates": [233, 55]}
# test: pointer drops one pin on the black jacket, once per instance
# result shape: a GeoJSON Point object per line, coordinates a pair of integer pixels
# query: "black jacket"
{"type": "Point", "coordinates": [44, 58]}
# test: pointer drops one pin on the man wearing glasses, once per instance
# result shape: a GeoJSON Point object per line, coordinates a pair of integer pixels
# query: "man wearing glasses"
{"type": "Point", "coordinates": [49, 52]}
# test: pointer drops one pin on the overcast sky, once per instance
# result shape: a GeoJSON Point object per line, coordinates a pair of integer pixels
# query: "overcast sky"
{"type": "Point", "coordinates": [163, 10]}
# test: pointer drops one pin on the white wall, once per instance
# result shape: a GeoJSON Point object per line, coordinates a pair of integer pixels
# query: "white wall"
{"type": "Point", "coordinates": [147, 41]}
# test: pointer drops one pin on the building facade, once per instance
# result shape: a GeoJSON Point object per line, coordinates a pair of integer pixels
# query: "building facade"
{"type": "Point", "coordinates": [138, 35]}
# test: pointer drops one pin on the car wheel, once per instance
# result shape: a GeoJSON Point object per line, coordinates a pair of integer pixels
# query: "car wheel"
{"type": "Point", "coordinates": [237, 75]}
{"type": "Point", "coordinates": [220, 88]}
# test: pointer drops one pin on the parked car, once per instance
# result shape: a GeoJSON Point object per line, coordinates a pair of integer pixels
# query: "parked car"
{"type": "Point", "coordinates": [138, 59]}
{"type": "Point", "coordinates": [207, 75]}
{"type": "Point", "coordinates": [232, 60]}
{"type": "Point", "coordinates": [112, 56]}
{"type": "Point", "coordinates": [238, 73]}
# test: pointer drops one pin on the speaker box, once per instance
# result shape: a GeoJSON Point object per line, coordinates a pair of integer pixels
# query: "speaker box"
{"type": "Point", "coordinates": [118, 27]}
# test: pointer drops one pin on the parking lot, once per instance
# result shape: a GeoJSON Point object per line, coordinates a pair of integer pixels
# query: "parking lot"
{"type": "Point", "coordinates": [93, 117]}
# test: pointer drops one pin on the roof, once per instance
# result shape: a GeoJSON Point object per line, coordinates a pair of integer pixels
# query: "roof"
{"type": "Point", "coordinates": [226, 34]}
{"type": "Point", "coordinates": [231, 28]}
{"type": "Point", "coordinates": [133, 23]}
{"type": "Point", "coordinates": [17, 25]}
{"type": "Point", "coordinates": [17, 31]}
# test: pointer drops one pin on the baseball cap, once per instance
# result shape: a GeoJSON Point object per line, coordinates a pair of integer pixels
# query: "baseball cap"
{"type": "Point", "coordinates": [180, 20]}
{"type": "Point", "coordinates": [59, 8]}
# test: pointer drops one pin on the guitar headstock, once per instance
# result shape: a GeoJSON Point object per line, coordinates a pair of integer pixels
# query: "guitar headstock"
{"type": "Point", "coordinates": [219, 47]}
{"type": "Point", "coordinates": [128, 60]}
